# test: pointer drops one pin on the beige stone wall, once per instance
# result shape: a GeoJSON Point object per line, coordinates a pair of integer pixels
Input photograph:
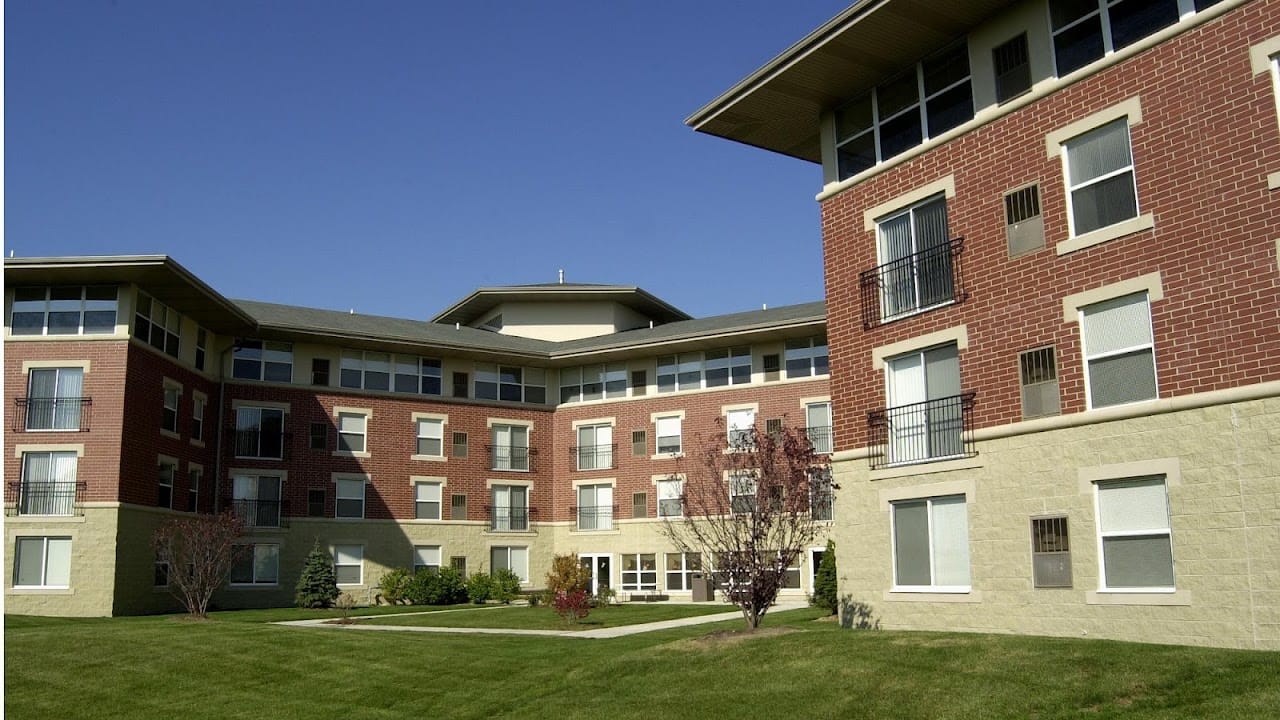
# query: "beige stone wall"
{"type": "Point", "coordinates": [1223, 481]}
{"type": "Point", "coordinates": [92, 578]}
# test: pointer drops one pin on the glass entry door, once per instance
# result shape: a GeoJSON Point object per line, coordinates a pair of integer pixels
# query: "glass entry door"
{"type": "Point", "coordinates": [599, 567]}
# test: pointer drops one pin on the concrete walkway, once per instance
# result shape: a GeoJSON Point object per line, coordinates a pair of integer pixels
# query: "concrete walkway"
{"type": "Point", "coordinates": [598, 633]}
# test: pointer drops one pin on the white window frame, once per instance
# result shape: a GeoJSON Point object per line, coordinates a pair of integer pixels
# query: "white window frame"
{"type": "Point", "coordinates": [167, 470]}
{"type": "Point", "coordinates": [428, 428]}
{"type": "Point", "coordinates": [1147, 347]}
{"type": "Point", "coordinates": [633, 580]}
{"type": "Point", "coordinates": [932, 587]}
{"type": "Point", "coordinates": [61, 407]}
{"type": "Point", "coordinates": [264, 353]}
{"type": "Point", "coordinates": [422, 555]}
{"type": "Point", "coordinates": [346, 556]}
{"type": "Point", "coordinates": [603, 514]}
{"type": "Point", "coordinates": [737, 426]}
{"type": "Point", "coordinates": [349, 484]}
{"type": "Point", "coordinates": [511, 429]}
{"type": "Point", "coordinates": [670, 491]}
{"type": "Point", "coordinates": [195, 475]}
{"type": "Point", "coordinates": [46, 306]}
{"type": "Point", "coordinates": [685, 572]}
{"type": "Point", "coordinates": [257, 554]}
{"type": "Point", "coordinates": [172, 393]}
{"type": "Point", "coordinates": [423, 490]}
{"type": "Point", "coordinates": [1089, 182]}
{"type": "Point", "coordinates": [827, 443]}
{"type": "Point", "coordinates": [743, 484]}
{"type": "Point", "coordinates": [1164, 530]}
{"type": "Point", "coordinates": [63, 545]}
{"type": "Point", "coordinates": [671, 422]}
{"type": "Point", "coordinates": [500, 495]}
{"type": "Point", "coordinates": [517, 383]}
{"type": "Point", "coordinates": [596, 458]}
{"type": "Point", "coordinates": [347, 436]}
{"type": "Point", "coordinates": [199, 403]}
{"type": "Point", "coordinates": [59, 503]}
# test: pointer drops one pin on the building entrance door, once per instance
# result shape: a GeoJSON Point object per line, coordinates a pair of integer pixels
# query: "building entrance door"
{"type": "Point", "coordinates": [599, 567]}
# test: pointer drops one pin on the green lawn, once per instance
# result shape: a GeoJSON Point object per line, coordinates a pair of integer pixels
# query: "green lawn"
{"type": "Point", "coordinates": [544, 618]}
{"type": "Point", "coordinates": [168, 667]}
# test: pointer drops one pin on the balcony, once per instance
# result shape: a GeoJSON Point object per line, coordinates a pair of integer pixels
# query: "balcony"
{"type": "Point", "coordinates": [508, 519]}
{"type": "Point", "coordinates": [820, 437]}
{"type": "Point", "coordinates": [595, 517]}
{"type": "Point", "coordinates": [258, 513]}
{"type": "Point", "coordinates": [507, 457]}
{"type": "Point", "coordinates": [594, 457]}
{"type": "Point", "coordinates": [55, 498]}
{"type": "Point", "coordinates": [68, 414]}
{"type": "Point", "coordinates": [912, 283]}
{"type": "Point", "coordinates": [923, 432]}
{"type": "Point", "coordinates": [260, 444]}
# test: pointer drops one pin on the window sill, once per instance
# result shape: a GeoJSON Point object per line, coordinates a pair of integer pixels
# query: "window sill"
{"type": "Point", "coordinates": [515, 470]}
{"type": "Point", "coordinates": [1140, 597]}
{"type": "Point", "coordinates": [344, 518]}
{"type": "Point", "coordinates": [170, 434]}
{"type": "Point", "coordinates": [197, 442]}
{"type": "Point", "coordinates": [925, 467]}
{"type": "Point", "coordinates": [43, 519]}
{"type": "Point", "coordinates": [257, 458]}
{"type": "Point", "coordinates": [605, 531]}
{"type": "Point", "coordinates": [1110, 232]}
{"type": "Point", "coordinates": [1273, 181]}
{"type": "Point", "coordinates": [38, 590]}
{"type": "Point", "coordinates": [933, 595]}
{"type": "Point", "coordinates": [912, 313]}
{"type": "Point", "coordinates": [350, 454]}
{"type": "Point", "coordinates": [429, 458]}
{"type": "Point", "coordinates": [667, 456]}
{"type": "Point", "coordinates": [50, 430]}
{"type": "Point", "coordinates": [492, 531]}
{"type": "Point", "coordinates": [253, 586]}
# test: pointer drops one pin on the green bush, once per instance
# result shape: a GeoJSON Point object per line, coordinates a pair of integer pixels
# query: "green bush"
{"type": "Point", "coordinates": [506, 586]}
{"type": "Point", "coordinates": [567, 574]}
{"type": "Point", "coordinates": [824, 581]}
{"type": "Point", "coordinates": [437, 587]}
{"type": "Point", "coordinates": [480, 588]}
{"type": "Point", "coordinates": [318, 585]}
{"type": "Point", "coordinates": [394, 586]}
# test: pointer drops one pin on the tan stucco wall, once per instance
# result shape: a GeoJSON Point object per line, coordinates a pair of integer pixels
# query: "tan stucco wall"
{"type": "Point", "coordinates": [1224, 499]}
{"type": "Point", "coordinates": [92, 578]}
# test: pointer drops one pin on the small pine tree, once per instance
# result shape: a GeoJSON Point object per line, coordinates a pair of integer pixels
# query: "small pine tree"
{"type": "Point", "coordinates": [318, 585]}
{"type": "Point", "coordinates": [824, 582]}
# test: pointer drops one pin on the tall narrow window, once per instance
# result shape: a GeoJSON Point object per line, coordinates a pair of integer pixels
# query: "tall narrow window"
{"type": "Point", "coordinates": [194, 476]}
{"type": "Point", "coordinates": [198, 404]}
{"type": "Point", "coordinates": [818, 426]}
{"type": "Point", "coordinates": [169, 414]}
{"type": "Point", "coordinates": [915, 259]}
{"type": "Point", "coordinates": [595, 447]}
{"type": "Point", "coordinates": [510, 448]}
{"type": "Point", "coordinates": [510, 508]}
{"type": "Point", "coordinates": [595, 507]}
{"type": "Point", "coordinates": [167, 470]}
{"type": "Point", "coordinates": [925, 412]}
{"type": "Point", "coordinates": [1120, 365]}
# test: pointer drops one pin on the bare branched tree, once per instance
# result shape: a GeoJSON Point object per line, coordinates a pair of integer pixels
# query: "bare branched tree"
{"type": "Point", "coordinates": [199, 553]}
{"type": "Point", "coordinates": [750, 500]}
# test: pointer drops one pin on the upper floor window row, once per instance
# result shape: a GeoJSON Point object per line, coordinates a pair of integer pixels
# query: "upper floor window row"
{"type": "Point", "coordinates": [513, 384]}
{"type": "Point", "coordinates": [807, 357]}
{"type": "Point", "coordinates": [1086, 30]}
{"type": "Point", "coordinates": [71, 310]}
{"type": "Point", "coordinates": [157, 324]}
{"type": "Point", "coordinates": [383, 371]}
{"type": "Point", "coordinates": [921, 103]}
{"type": "Point", "coordinates": [263, 360]}
{"type": "Point", "coordinates": [593, 382]}
{"type": "Point", "coordinates": [713, 368]}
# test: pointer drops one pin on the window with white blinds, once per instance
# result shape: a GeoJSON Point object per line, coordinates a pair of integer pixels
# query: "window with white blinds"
{"type": "Point", "coordinates": [1119, 351]}
{"type": "Point", "coordinates": [1134, 534]}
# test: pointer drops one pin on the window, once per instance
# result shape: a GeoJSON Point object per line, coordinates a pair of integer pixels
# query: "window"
{"type": "Point", "coordinates": [670, 498]}
{"type": "Point", "coordinates": [258, 565]}
{"type": "Point", "coordinates": [639, 443]}
{"type": "Point", "coordinates": [42, 562]}
{"type": "Point", "coordinates": [510, 508]}
{"type": "Point", "coordinates": [1012, 63]}
{"type": "Point", "coordinates": [512, 384]}
{"type": "Point", "coordinates": [680, 569]}
{"type": "Point", "coordinates": [460, 445]}
{"type": "Point", "coordinates": [925, 413]}
{"type": "Point", "coordinates": [1038, 375]}
{"type": "Point", "coordinates": [48, 483]}
{"type": "Point", "coordinates": [348, 564]}
{"type": "Point", "coordinates": [742, 492]}
{"type": "Point", "coordinates": [426, 557]}
{"type": "Point", "coordinates": [667, 430]}
{"type": "Point", "coordinates": [260, 432]}
{"type": "Point", "coordinates": [315, 502]}
{"type": "Point", "coordinates": [741, 425]}
{"type": "Point", "coordinates": [430, 437]}
{"type": "Point", "coordinates": [350, 498]}
{"type": "Point", "coordinates": [198, 403]}
{"type": "Point", "coordinates": [418, 375]}
{"type": "Point", "coordinates": [55, 397]}
{"type": "Point", "coordinates": [915, 270]}
{"type": "Point", "coordinates": [593, 382]}
{"type": "Point", "coordinates": [1134, 536]}
{"type": "Point", "coordinates": [1050, 552]}
{"type": "Point", "coordinates": [169, 415]}
{"type": "Point", "coordinates": [256, 499]}
{"type": "Point", "coordinates": [821, 495]}
{"type": "Point", "coordinates": [931, 545]}
{"type": "Point", "coordinates": [714, 368]}
{"type": "Point", "coordinates": [351, 432]}
{"type": "Point", "coordinates": [818, 426]}
{"type": "Point", "coordinates": [156, 324]}
{"type": "Point", "coordinates": [160, 577]}
{"type": "Point", "coordinates": [595, 447]}
{"type": "Point", "coordinates": [595, 507]}
{"type": "Point", "coordinates": [194, 476]}
{"type": "Point", "coordinates": [1085, 30]}
{"type": "Point", "coordinates": [318, 436]}
{"type": "Point", "coordinates": [320, 371]}
{"type": "Point", "coordinates": [515, 559]}
{"type": "Point", "coordinates": [366, 370]}
{"type": "Point", "coordinates": [426, 500]}
{"type": "Point", "coordinates": [639, 382]}
{"type": "Point", "coordinates": [639, 571]}
{"type": "Point", "coordinates": [1120, 364]}
{"type": "Point", "coordinates": [892, 119]}
{"type": "Point", "coordinates": [460, 384]}
{"type": "Point", "coordinates": [458, 506]}
{"type": "Point", "coordinates": [791, 574]}
{"type": "Point", "coordinates": [806, 357]}
{"type": "Point", "coordinates": [262, 360]}
{"type": "Point", "coordinates": [1101, 189]}
{"type": "Point", "coordinates": [167, 469]}
{"type": "Point", "coordinates": [202, 345]}
{"type": "Point", "coordinates": [772, 366]}
{"type": "Point", "coordinates": [510, 447]}
{"type": "Point", "coordinates": [64, 311]}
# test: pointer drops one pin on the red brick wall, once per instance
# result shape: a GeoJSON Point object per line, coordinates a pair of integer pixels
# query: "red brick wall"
{"type": "Point", "coordinates": [1207, 140]}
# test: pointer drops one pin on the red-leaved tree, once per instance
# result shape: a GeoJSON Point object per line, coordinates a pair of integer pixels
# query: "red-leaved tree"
{"type": "Point", "coordinates": [749, 501]}
{"type": "Point", "coordinates": [199, 552]}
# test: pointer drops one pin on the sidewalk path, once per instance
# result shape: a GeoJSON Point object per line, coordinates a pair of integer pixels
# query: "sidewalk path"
{"type": "Point", "coordinates": [598, 633]}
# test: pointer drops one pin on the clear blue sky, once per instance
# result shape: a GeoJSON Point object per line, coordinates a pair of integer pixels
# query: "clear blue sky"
{"type": "Point", "coordinates": [393, 156]}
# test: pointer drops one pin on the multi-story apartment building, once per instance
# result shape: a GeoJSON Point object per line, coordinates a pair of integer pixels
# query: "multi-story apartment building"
{"type": "Point", "coordinates": [519, 423]}
{"type": "Point", "coordinates": [1053, 304]}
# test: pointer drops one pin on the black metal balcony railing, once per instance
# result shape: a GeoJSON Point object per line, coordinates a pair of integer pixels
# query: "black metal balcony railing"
{"type": "Point", "coordinates": [508, 518]}
{"type": "Point", "coordinates": [507, 457]}
{"type": "Point", "coordinates": [58, 497]}
{"type": "Point", "coordinates": [594, 517]}
{"type": "Point", "coordinates": [258, 513]}
{"type": "Point", "coordinates": [820, 437]}
{"type": "Point", "coordinates": [64, 413]}
{"type": "Point", "coordinates": [915, 282]}
{"type": "Point", "coordinates": [939, 429]}
{"type": "Point", "coordinates": [264, 444]}
{"type": "Point", "coordinates": [594, 457]}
